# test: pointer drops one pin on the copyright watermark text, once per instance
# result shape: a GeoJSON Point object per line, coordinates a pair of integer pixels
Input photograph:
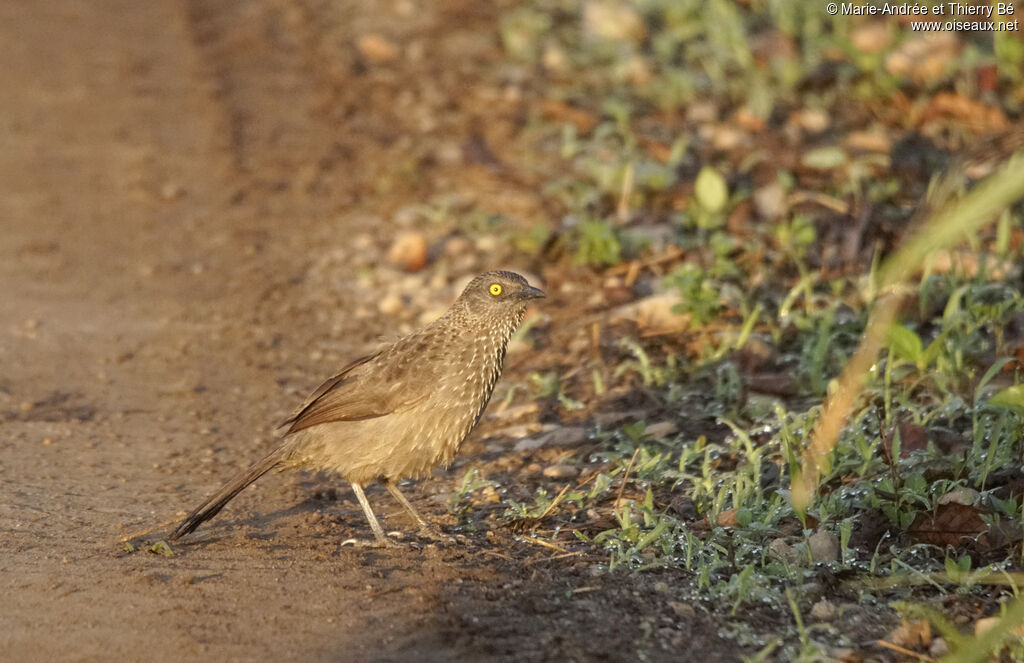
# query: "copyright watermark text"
{"type": "Point", "coordinates": [998, 16]}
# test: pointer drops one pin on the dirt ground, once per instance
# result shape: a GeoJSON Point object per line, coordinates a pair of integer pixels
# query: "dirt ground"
{"type": "Point", "coordinates": [188, 190]}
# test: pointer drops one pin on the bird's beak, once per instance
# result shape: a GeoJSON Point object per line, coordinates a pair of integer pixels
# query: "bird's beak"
{"type": "Point", "coordinates": [529, 292]}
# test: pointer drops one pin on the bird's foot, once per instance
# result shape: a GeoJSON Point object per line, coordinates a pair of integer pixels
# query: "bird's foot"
{"type": "Point", "coordinates": [436, 536]}
{"type": "Point", "coordinates": [376, 542]}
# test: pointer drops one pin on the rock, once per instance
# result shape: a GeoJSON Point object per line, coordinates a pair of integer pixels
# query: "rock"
{"type": "Point", "coordinates": [682, 610]}
{"type": "Point", "coordinates": [408, 216]}
{"type": "Point", "coordinates": [845, 654]}
{"type": "Point", "coordinates": [871, 37]}
{"type": "Point", "coordinates": [868, 141]}
{"type": "Point", "coordinates": [814, 120]}
{"type": "Point", "coordinates": [390, 304]}
{"type": "Point", "coordinates": [985, 624]}
{"type": "Point", "coordinates": [560, 471]}
{"type": "Point", "coordinates": [724, 137]}
{"type": "Point", "coordinates": [701, 112]}
{"type": "Point", "coordinates": [560, 436]}
{"type": "Point", "coordinates": [616, 21]}
{"type": "Point", "coordinates": [654, 314]}
{"type": "Point", "coordinates": [823, 611]}
{"type": "Point", "coordinates": [554, 59]}
{"type": "Point", "coordinates": [938, 648]}
{"type": "Point", "coordinates": [514, 412]}
{"type": "Point", "coordinates": [566, 436]}
{"type": "Point", "coordinates": [377, 48]}
{"type": "Point", "coordinates": [457, 246]}
{"type": "Point", "coordinates": [520, 431]}
{"type": "Point", "coordinates": [637, 71]}
{"type": "Point", "coordinates": [489, 244]}
{"type": "Point", "coordinates": [924, 58]}
{"type": "Point", "coordinates": [409, 251]}
{"type": "Point", "coordinates": [824, 547]}
{"type": "Point", "coordinates": [964, 496]}
{"type": "Point", "coordinates": [812, 591]}
{"type": "Point", "coordinates": [770, 201]}
{"type": "Point", "coordinates": [171, 191]}
{"type": "Point", "coordinates": [784, 551]}
{"type": "Point", "coordinates": [661, 429]}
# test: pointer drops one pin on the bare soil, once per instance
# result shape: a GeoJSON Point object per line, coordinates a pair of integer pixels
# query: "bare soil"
{"type": "Point", "coordinates": [188, 191]}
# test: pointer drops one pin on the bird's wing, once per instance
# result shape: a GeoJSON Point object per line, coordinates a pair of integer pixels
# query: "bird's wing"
{"type": "Point", "coordinates": [345, 397]}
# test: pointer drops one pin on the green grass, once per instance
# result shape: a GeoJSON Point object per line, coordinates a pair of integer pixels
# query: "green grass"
{"type": "Point", "coordinates": [897, 382]}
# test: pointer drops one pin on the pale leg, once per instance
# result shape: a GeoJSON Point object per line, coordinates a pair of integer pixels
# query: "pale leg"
{"type": "Point", "coordinates": [374, 525]}
{"type": "Point", "coordinates": [393, 489]}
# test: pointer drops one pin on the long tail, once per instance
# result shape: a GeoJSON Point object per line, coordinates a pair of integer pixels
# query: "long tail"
{"type": "Point", "coordinates": [212, 506]}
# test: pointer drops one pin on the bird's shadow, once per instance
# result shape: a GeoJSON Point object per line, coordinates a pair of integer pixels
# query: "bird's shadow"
{"type": "Point", "coordinates": [318, 498]}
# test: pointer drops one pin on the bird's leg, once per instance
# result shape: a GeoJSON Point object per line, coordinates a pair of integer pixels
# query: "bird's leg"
{"type": "Point", "coordinates": [427, 530]}
{"type": "Point", "coordinates": [393, 489]}
{"type": "Point", "coordinates": [378, 533]}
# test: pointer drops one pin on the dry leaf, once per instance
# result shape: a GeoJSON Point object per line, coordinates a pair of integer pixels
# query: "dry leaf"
{"type": "Point", "coordinates": [727, 518]}
{"type": "Point", "coordinates": [559, 111]}
{"type": "Point", "coordinates": [912, 635]}
{"type": "Point", "coordinates": [977, 115]}
{"type": "Point", "coordinates": [951, 525]}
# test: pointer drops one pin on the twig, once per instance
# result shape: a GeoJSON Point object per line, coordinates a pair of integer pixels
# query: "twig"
{"type": "Point", "coordinates": [904, 651]}
{"type": "Point", "coordinates": [499, 555]}
{"type": "Point", "coordinates": [625, 267]}
{"type": "Point", "coordinates": [624, 195]}
{"type": "Point", "coordinates": [625, 478]}
{"type": "Point", "coordinates": [583, 590]}
{"type": "Point", "coordinates": [546, 544]}
{"type": "Point", "coordinates": [554, 502]}
{"type": "Point", "coordinates": [552, 558]}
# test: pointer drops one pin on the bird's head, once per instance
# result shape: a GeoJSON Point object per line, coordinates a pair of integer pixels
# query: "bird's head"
{"type": "Point", "coordinates": [498, 293]}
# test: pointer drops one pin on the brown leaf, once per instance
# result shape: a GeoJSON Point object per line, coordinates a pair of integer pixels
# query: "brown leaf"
{"type": "Point", "coordinates": [912, 635]}
{"type": "Point", "coordinates": [779, 383]}
{"type": "Point", "coordinates": [559, 111]}
{"type": "Point", "coordinates": [912, 438]}
{"type": "Point", "coordinates": [727, 518]}
{"type": "Point", "coordinates": [790, 526]}
{"type": "Point", "coordinates": [656, 149]}
{"type": "Point", "coordinates": [979, 116]}
{"type": "Point", "coordinates": [951, 525]}
{"type": "Point", "coordinates": [924, 58]}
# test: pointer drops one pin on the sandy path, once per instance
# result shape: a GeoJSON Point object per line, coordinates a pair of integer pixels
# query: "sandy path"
{"type": "Point", "coordinates": [114, 168]}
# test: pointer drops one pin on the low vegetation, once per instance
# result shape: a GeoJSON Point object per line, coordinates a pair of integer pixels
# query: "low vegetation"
{"type": "Point", "coordinates": [810, 309]}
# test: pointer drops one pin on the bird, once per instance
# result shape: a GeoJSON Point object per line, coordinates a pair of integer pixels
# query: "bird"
{"type": "Point", "coordinates": [402, 411]}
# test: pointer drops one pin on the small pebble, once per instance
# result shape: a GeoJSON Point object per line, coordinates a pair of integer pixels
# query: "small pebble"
{"type": "Point", "coordinates": [682, 610]}
{"type": "Point", "coordinates": [409, 251]}
{"type": "Point", "coordinates": [561, 471]}
{"type": "Point", "coordinates": [377, 48]}
{"type": "Point", "coordinates": [824, 547]}
{"type": "Point", "coordinates": [823, 611]}
{"type": "Point", "coordinates": [784, 551]}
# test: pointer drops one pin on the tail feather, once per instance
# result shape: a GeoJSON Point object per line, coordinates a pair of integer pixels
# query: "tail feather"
{"type": "Point", "coordinates": [212, 506]}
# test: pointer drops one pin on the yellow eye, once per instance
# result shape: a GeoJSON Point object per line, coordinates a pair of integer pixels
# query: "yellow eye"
{"type": "Point", "coordinates": [495, 289]}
